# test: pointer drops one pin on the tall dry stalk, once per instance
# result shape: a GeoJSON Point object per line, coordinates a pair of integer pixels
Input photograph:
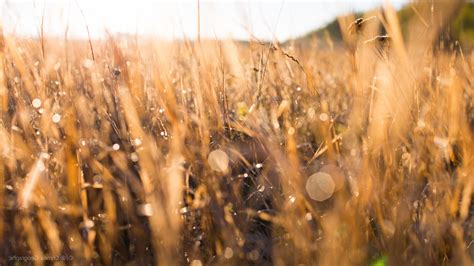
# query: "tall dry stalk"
{"type": "Point", "coordinates": [106, 148]}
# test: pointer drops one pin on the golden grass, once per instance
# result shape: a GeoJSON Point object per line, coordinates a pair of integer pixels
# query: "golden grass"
{"type": "Point", "coordinates": [110, 166]}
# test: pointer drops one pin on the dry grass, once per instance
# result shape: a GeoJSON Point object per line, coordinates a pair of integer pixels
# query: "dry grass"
{"type": "Point", "coordinates": [111, 164]}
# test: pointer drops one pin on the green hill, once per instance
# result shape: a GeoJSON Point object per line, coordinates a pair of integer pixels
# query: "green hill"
{"type": "Point", "coordinates": [463, 25]}
{"type": "Point", "coordinates": [460, 27]}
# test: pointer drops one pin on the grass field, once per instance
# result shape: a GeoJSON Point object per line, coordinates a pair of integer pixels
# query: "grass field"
{"type": "Point", "coordinates": [133, 150]}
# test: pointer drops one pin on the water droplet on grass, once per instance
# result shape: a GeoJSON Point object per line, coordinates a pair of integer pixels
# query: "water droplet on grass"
{"type": "Point", "coordinates": [320, 186]}
{"type": "Point", "coordinates": [56, 118]}
{"type": "Point", "coordinates": [421, 124]}
{"type": "Point", "coordinates": [134, 157]}
{"type": "Point", "coordinates": [291, 131]}
{"type": "Point", "coordinates": [87, 224]}
{"type": "Point", "coordinates": [97, 179]}
{"type": "Point", "coordinates": [441, 142]}
{"type": "Point", "coordinates": [311, 113]}
{"type": "Point", "coordinates": [87, 63]}
{"type": "Point", "coordinates": [353, 152]}
{"type": "Point", "coordinates": [57, 66]}
{"type": "Point", "coordinates": [254, 255]}
{"type": "Point", "coordinates": [137, 142]}
{"type": "Point", "coordinates": [145, 209]}
{"type": "Point", "coordinates": [36, 103]}
{"type": "Point", "coordinates": [218, 161]}
{"type": "Point", "coordinates": [324, 117]}
{"type": "Point", "coordinates": [196, 263]}
{"type": "Point", "coordinates": [228, 253]}
{"type": "Point", "coordinates": [292, 199]}
{"type": "Point", "coordinates": [184, 210]}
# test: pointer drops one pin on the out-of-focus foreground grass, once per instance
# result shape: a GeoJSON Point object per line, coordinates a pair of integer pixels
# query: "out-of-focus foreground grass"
{"type": "Point", "coordinates": [130, 150]}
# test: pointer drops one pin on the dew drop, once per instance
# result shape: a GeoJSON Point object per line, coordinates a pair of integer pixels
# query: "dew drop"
{"type": "Point", "coordinates": [17, 129]}
{"type": "Point", "coordinates": [56, 118]}
{"type": "Point", "coordinates": [145, 209]}
{"type": "Point", "coordinates": [441, 142]}
{"type": "Point", "coordinates": [291, 131]}
{"type": "Point", "coordinates": [254, 255]}
{"type": "Point", "coordinates": [292, 199]}
{"type": "Point", "coordinates": [134, 157]}
{"type": "Point", "coordinates": [311, 113]}
{"type": "Point", "coordinates": [87, 63]}
{"type": "Point", "coordinates": [324, 117]}
{"type": "Point", "coordinates": [36, 103]}
{"type": "Point", "coordinates": [83, 142]}
{"type": "Point", "coordinates": [196, 263]}
{"type": "Point", "coordinates": [218, 161]}
{"type": "Point", "coordinates": [184, 210]}
{"type": "Point", "coordinates": [137, 142]}
{"type": "Point", "coordinates": [228, 253]}
{"type": "Point", "coordinates": [353, 152]}
{"type": "Point", "coordinates": [320, 186]}
{"type": "Point", "coordinates": [116, 147]}
{"type": "Point", "coordinates": [421, 124]}
{"type": "Point", "coordinates": [97, 179]}
{"type": "Point", "coordinates": [88, 224]}
{"type": "Point", "coordinates": [57, 66]}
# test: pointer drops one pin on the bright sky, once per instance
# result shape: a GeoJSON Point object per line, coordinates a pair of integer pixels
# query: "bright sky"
{"type": "Point", "coordinates": [177, 19]}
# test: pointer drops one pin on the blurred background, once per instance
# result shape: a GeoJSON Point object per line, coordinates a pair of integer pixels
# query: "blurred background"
{"type": "Point", "coordinates": [177, 19]}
